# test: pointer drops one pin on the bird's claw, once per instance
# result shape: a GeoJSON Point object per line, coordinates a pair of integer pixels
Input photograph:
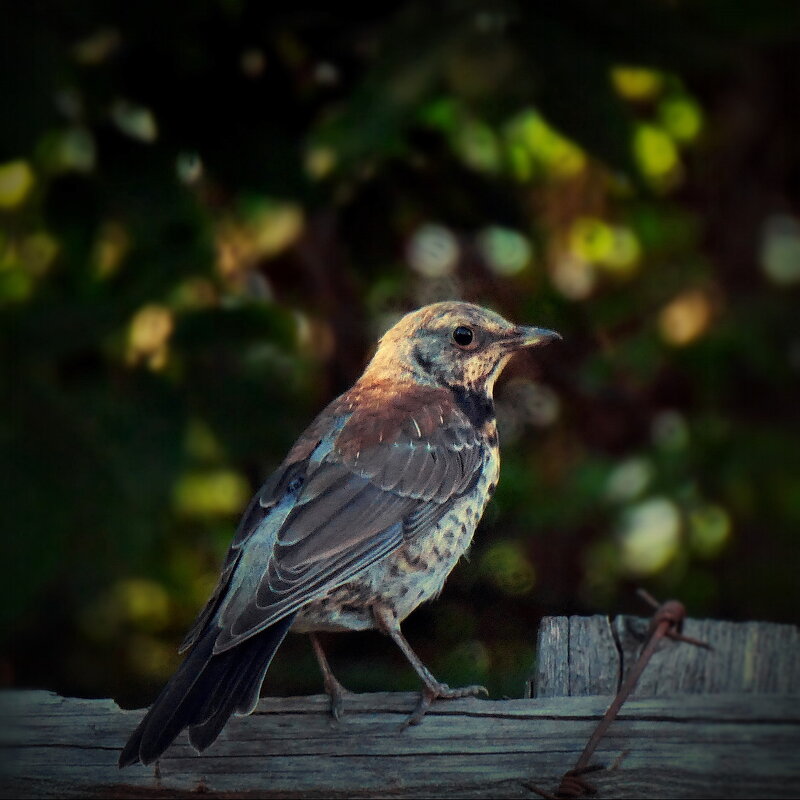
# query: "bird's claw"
{"type": "Point", "coordinates": [441, 692]}
{"type": "Point", "coordinates": [336, 693]}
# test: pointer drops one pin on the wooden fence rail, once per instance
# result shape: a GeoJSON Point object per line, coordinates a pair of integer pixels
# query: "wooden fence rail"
{"type": "Point", "coordinates": [724, 723]}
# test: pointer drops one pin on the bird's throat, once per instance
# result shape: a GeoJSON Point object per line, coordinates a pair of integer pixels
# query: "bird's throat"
{"type": "Point", "coordinates": [477, 406]}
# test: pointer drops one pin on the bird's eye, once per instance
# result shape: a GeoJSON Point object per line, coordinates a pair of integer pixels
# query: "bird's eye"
{"type": "Point", "coordinates": [463, 336]}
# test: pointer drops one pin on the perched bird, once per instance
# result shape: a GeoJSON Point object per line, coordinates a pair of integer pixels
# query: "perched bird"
{"type": "Point", "coordinates": [362, 522]}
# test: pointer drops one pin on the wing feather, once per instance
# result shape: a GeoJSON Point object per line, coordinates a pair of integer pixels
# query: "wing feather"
{"type": "Point", "coordinates": [361, 484]}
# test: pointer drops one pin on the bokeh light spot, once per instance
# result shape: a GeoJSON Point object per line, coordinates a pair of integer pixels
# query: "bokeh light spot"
{"type": "Point", "coordinates": [97, 47]}
{"type": "Point", "coordinates": [573, 277]}
{"type": "Point", "coordinates": [669, 430]}
{"type": "Point", "coordinates": [477, 144]}
{"type": "Point", "coordinates": [135, 121]}
{"type": "Point", "coordinates": [16, 285]}
{"type": "Point", "coordinates": [636, 83]}
{"type": "Point", "coordinates": [266, 229]}
{"type": "Point", "coordinates": [685, 318]}
{"type": "Point", "coordinates": [565, 159]}
{"type": "Point", "coordinates": [149, 334]}
{"type": "Point", "coordinates": [681, 117]}
{"type": "Point", "coordinates": [16, 182]}
{"type": "Point", "coordinates": [211, 493]}
{"type": "Point", "coordinates": [709, 530]}
{"type": "Point", "coordinates": [591, 239]}
{"type": "Point", "coordinates": [507, 566]}
{"type": "Point", "coordinates": [326, 73]}
{"type": "Point", "coordinates": [315, 337]}
{"type": "Point", "coordinates": [276, 227]}
{"type": "Point", "coordinates": [649, 536]}
{"type": "Point", "coordinates": [195, 293]}
{"type": "Point", "coordinates": [656, 155]}
{"type": "Point", "coordinates": [320, 162]}
{"type": "Point", "coordinates": [252, 62]}
{"type": "Point", "coordinates": [189, 167]}
{"type": "Point", "coordinates": [433, 251]}
{"type": "Point", "coordinates": [70, 150]}
{"type": "Point", "coordinates": [110, 248]}
{"type": "Point", "coordinates": [614, 248]}
{"type": "Point", "coordinates": [558, 156]}
{"type": "Point", "coordinates": [143, 603]}
{"type": "Point", "coordinates": [520, 161]}
{"type": "Point", "coordinates": [37, 252]}
{"type": "Point", "coordinates": [507, 252]}
{"type": "Point", "coordinates": [629, 479]}
{"type": "Point", "coordinates": [472, 657]}
{"type": "Point", "coordinates": [780, 250]}
{"type": "Point", "coordinates": [625, 253]}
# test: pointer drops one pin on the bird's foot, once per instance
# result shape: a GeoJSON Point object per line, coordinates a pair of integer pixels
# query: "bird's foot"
{"type": "Point", "coordinates": [441, 691]}
{"type": "Point", "coordinates": [336, 693]}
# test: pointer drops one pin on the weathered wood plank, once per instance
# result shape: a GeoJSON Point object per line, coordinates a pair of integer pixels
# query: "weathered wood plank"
{"type": "Point", "coordinates": [685, 736]}
{"type": "Point", "coordinates": [753, 657]}
{"type": "Point", "coordinates": [587, 655]}
{"type": "Point", "coordinates": [551, 678]}
{"type": "Point", "coordinates": [698, 746]}
{"type": "Point", "coordinates": [577, 656]}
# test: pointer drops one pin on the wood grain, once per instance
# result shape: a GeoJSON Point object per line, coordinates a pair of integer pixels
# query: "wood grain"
{"type": "Point", "coordinates": [721, 724]}
{"type": "Point", "coordinates": [753, 657]}
{"type": "Point", "coordinates": [698, 746]}
{"type": "Point", "coordinates": [590, 655]}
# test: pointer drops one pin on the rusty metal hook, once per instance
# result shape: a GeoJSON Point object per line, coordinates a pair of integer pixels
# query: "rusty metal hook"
{"type": "Point", "coordinates": [666, 621]}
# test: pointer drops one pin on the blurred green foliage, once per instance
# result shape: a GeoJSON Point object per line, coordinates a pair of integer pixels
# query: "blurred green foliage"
{"type": "Point", "coordinates": [209, 210]}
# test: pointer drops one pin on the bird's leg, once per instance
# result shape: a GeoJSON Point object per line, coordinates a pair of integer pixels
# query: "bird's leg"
{"type": "Point", "coordinates": [433, 689]}
{"type": "Point", "coordinates": [333, 688]}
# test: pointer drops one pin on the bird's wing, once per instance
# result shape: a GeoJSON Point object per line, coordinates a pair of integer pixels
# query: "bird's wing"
{"type": "Point", "coordinates": [377, 475]}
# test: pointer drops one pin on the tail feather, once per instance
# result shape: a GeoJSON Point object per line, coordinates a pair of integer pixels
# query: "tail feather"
{"type": "Point", "coordinates": [203, 734]}
{"type": "Point", "coordinates": [240, 695]}
{"type": "Point", "coordinates": [204, 692]}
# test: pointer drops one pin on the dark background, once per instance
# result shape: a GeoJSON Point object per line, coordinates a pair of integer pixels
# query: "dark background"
{"type": "Point", "coordinates": [210, 210]}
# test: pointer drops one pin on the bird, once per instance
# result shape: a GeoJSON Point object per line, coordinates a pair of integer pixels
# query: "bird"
{"type": "Point", "coordinates": [362, 522]}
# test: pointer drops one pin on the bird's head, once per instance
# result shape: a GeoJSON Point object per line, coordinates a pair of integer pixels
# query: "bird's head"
{"type": "Point", "coordinates": [453, 344]}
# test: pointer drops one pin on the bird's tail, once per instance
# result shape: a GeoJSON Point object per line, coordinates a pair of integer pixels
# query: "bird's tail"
{"type": "Point", "coordinates": [204, 692]}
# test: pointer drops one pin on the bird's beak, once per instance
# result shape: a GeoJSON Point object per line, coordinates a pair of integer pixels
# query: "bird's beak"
{"type": "Point", "coordinates": [528, 336]}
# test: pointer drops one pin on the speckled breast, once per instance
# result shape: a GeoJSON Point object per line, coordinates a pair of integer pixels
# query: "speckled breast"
{"type": "Point", "coordinates": [414, 573]}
